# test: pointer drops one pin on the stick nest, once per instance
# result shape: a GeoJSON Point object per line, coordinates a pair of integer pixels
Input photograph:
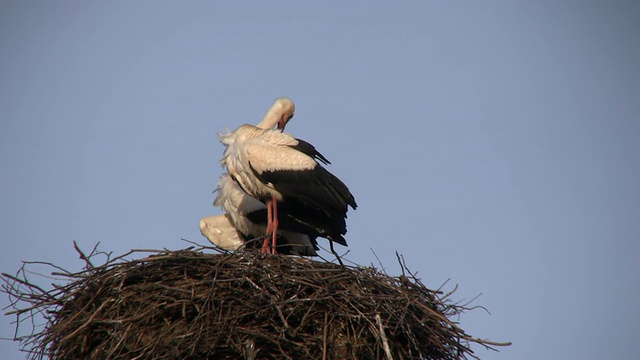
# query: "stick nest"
{"type": "Point", "coordinates": [191, 304]}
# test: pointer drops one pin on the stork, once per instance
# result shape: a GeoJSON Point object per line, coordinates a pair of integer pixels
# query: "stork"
{"type": "Point", "coordinates": [248, 216]}
{"type": "Point", "coordinates": [220, 231]}
{"type": "Point", "coordinates": [285, 172]}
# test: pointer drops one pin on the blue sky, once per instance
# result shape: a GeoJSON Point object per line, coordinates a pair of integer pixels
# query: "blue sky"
{"type": "Point", "coordinates": [491, 143]}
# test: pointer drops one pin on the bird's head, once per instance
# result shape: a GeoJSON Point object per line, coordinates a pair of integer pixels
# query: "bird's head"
{"type": "Point", "coordinates": [287, 109]}
{"type": "Point", "coordinates": [278, 115]}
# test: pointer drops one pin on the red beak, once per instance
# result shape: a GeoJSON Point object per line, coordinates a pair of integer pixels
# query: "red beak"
{"type": "Point", "coordinates": [281, 125]}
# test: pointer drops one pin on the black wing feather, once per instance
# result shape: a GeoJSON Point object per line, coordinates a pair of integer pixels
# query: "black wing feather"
{"type": "Point", "coordinates": [310, 150]}
{"type": "Point", "coordinates": [314, 199]}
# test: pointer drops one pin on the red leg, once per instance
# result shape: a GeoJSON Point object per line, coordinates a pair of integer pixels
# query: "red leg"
{"type": "Point", "coordinates": [274, 224]}
{"type": "Point", "coordinates": [265, 243]}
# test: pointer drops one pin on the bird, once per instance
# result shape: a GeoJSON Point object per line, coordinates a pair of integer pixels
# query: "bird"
{"type": "Point", "coordinates": [219, 230]}
{"type": "Point", "coordinates": [286, 174]}
{"type": "Point", "coordinates": [248, 217]}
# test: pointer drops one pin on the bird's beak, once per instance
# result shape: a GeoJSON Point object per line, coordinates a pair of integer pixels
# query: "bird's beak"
{"type": "Point", "coordinates": [281, 125]}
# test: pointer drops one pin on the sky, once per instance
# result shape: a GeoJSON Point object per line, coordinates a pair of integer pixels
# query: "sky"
{"type": "Point", "coordinates": [493, 144]}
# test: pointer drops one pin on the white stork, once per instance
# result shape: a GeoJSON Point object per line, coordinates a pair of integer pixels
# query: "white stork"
{"type": "Point", "coordinates": [249, 217]}
{"type": "Point", "coordinates": [220, 231]}
{"type": "Point", "coordinates": [285, 172]}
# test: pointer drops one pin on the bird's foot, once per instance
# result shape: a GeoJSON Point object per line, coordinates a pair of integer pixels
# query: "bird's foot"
{"type": "Point", "coordinates": [266, 248]}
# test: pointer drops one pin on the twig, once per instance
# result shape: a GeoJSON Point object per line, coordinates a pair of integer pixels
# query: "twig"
{"type": "Point", "coordinates": [383, 337]}
{"type": "Point", "coordinates": [86, 259]}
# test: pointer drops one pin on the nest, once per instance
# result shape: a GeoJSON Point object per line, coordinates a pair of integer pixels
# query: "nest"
{"type": "Point", "coordinates": [194, 304]}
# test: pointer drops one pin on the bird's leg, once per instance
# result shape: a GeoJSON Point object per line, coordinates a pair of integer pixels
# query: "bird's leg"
{"type": "Point", "coordinates": [265, 243]}
{"type": "Point", "coordinates": [274, 223]}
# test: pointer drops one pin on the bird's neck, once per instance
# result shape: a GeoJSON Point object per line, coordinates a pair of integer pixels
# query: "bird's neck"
{"type": "Point", "coordinates": [270, 120]}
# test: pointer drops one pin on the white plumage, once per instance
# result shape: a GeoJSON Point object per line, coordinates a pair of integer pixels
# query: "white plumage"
{"type": "Point", "coordinates": [264, 148]}
{"type": "Point", "coordinates": [220, 231]}
{"type": "Point", "coordinates": [251, 149]}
